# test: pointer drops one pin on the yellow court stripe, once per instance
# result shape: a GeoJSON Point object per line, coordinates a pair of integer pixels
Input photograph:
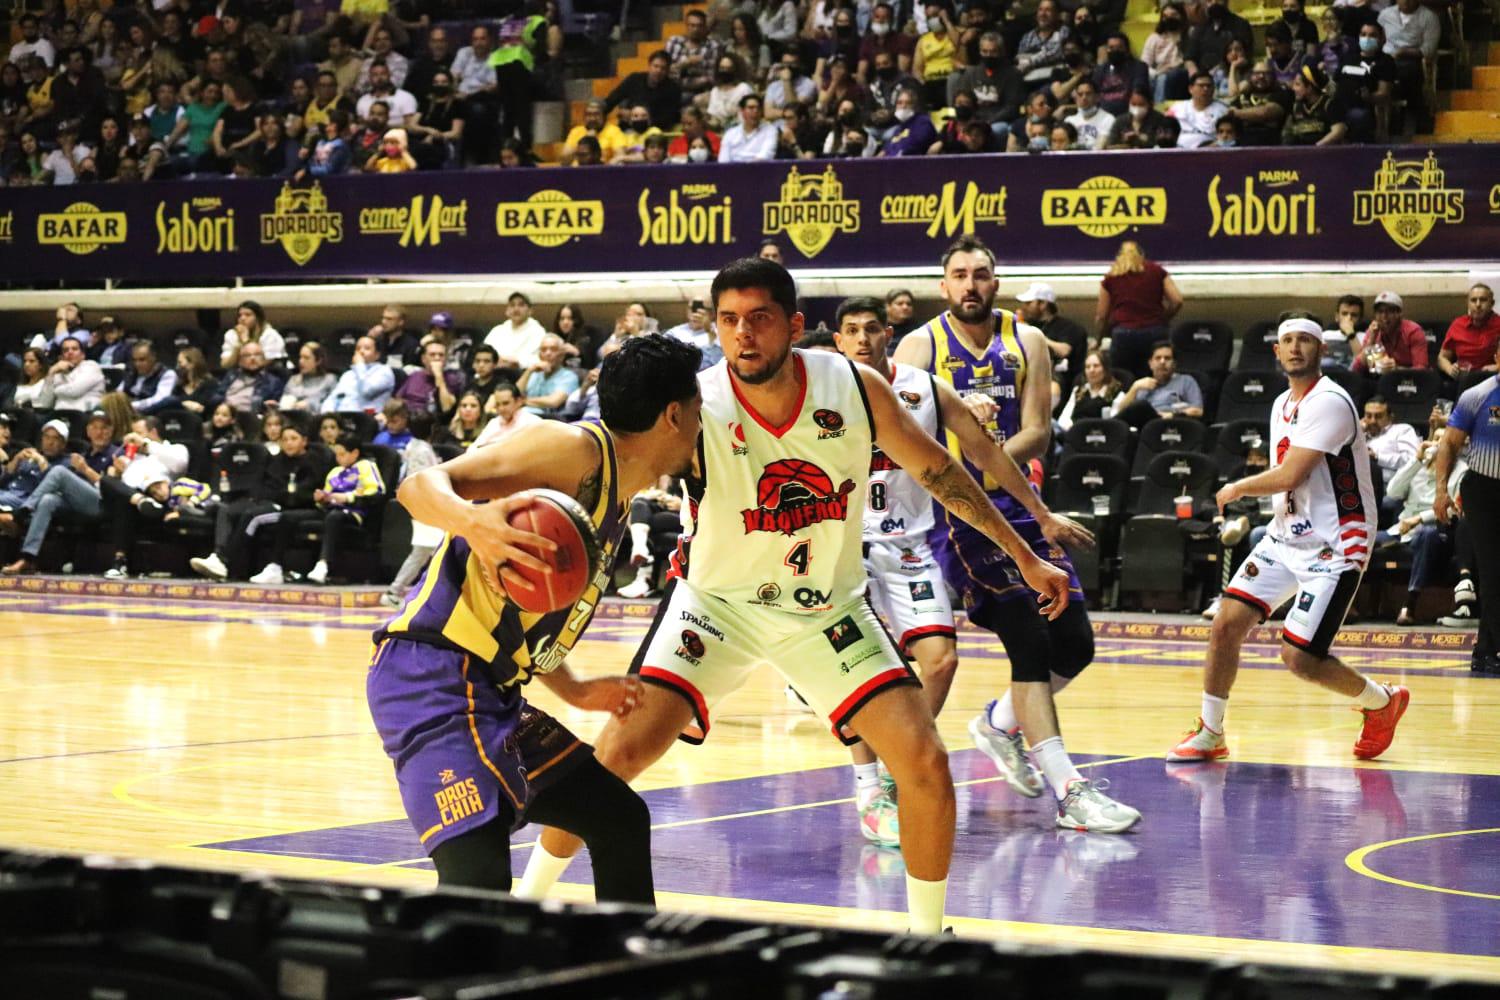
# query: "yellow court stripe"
{"type": "Point", "coordinates": [1356, 863]}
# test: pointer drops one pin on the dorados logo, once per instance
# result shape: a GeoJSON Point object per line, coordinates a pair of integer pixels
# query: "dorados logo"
{"type": "Point", "coordinates": [195, 226]}
{"type": "Point", "coordinates": [7, 227]}
{"type": "Point", "coordinates": [1104, 206]}
{"type": "Point", "coordinates": [301, 223]}
{"type": "Point", "coordinates": [812, 208]}
{"type": "Point", "coordinates": [1408, 199]}
{"type": "Point", "coordinates": [80, 228]}
{"type": "Point", "coordinates": [688, 217]}
{"type": "Point", "coordinates": [943, 213]}
{"type": "Point", "coordinates": [1283, 210]}
{"type": "Point", "coordinates": [549, 218]}
{"type": "Point", "coordinates": [421, 223]}
{"type": "Point", "coordinates": [1495, 200]}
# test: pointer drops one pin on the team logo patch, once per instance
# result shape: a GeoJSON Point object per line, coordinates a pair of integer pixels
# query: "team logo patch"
{"type": "Point", "coordinates": [1010, 361]}
{"type": "Point", "coordinates": [794, 494]}
{"type": "Point", "coordinates": [1325, 554]}
{"type": "Point", "coordinates": [1305, 601]}
{"type": "Point", "coordinates": [830, 423]}
{"type": "Point", "coordinates": [910, 558]}
{"type": "Point", "coordinates": [953, 364]}
{"type": "Point", "coordinates": [769, 593]}
{"type": "Point", "coordinates": [921, 590]}
{"type": "Point", "coordinates": [1281, 447]}
{"type": "Point", "coordinates": [692, 642]}
{"type": "Point", "coordinates": [1251, 569]}
{"type": "Point", "coordinates": [737, 443]}
{"type": "Point", "coordinates": [911, 399]}
{"type": "Point", "coordinates": [843, 633]}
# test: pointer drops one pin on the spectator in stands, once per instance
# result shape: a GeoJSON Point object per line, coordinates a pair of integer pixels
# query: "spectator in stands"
{"type": "Point", "coordinates": [33, 378]}
{"type": "Point", "coordinates": [1066, 340]}
{"type": "Point", "coordinates": [653, 88]}
{"type": "Point", "coordinates": [995, 83]}
{"type": "Point", "coordinates": [272, 154]}
{"type": "Point", "coordinates": [1412, 32]}
{"type": "Point", "coordinates": [581, 342]}
{"type": "Point", "coordinates": [70, 489]}
{"type": "Point", "coordinates": [195, 129]}
{"type": "Point", "coordinates": [147, 460]}
{"type": "Point", "coordinates": [888, 81]}
{"type": "Point", "coordinates": [748, 46]}
{"type": "Point", "coordinates": [1304, 33]}
{"type": "Point", "coordinates": [1341, 341]}
{"type": "Point", "coordinates": [60, 166]}
{"type": "Point", "coordinates": [1414, 487]}
{"type": "Point", "coordinates": [509, 415]}
{"type": "Point", "coordinates": [1198, 114]}
{"type": "Point", "coordinates": [518, 41]}
{"type": "Point", "coordinates": [271, 424]}
{"type": "Point", "coordinates": [694, 55]}
{"type": "Point", "coordinates": [5, 445]}
{"type": "Point", "coordinates": [935, 54]}
{"type": "Point", "coordinates": [401, 105]}
{"type": "Point", "coordinates": [914, 134]}
{"type": "Point", "coordinates": [1137, 298]}
{"type": "Point", "coordinates": [343, 502]}
{"type": "Point", "coordinates": [1284, 57]}
{"type": "Point", "coordinates": [777, 21]}
{"type": "Point", "coordinates": [1091, 122]}
{"type": "Point", "coordinates": [312, 384]}
{"type": "Point", "coordinates": [1336, 47]}
{"type": "Point", "coordinates": [25, 470]}
{"type": "Point", "coordinates": [1042, 47]}
{"type": "Point", "coordinates": [73, 383]}
{"type": "Point", "coordinates": [611, 140]}
{"type": "Point", "coordinates": [222, 426]}
{"type": "Point", "coordinates": [694, 126]}
{"type": "Point", "coordinates": [1162, 54]}
{"type": "Point", "coordinates": [1392, 341]}
{"type": "Point", "coordinates": [1260, 109]}
{"type": "Point", "coordinates": [1471, 340]}
{"type": "Point", "coordinates": [332, 151]}
{"type": "Point", "coordinates": [546, 384]}
{"type": "Point", "coordinates": [325, 101]}
{"type": "Point", "coordinates": [468, 420]}
{"type": "Point", "coordinates": [518, 338]}
{"type": "Point", "coordinates": [752, 138]}
{"type": "Point", "coordinates": [789, 83]}
{"type": "Point", "coordinates": [32, 43]}
{"type": "Point", "coordinates": [196, 387]}
{"type": "Point", "coordinates": [440, 125]}
{"type": "Point", "coordinates": [344, 63]}
{"type": "Point", "coordinates": [1166, 392]}
{"type": "Point", "coordinates": [1366, 85]}
{"type": "Point", "coordinates": [396, 419]}
{"type": "Point", "coordinates": [696, 328]}
{"type": "Point", "coordinates": [839, 40]}
{"type": "Point", "coordinates": [653, 513]}
{"type": "Point", "coordinates": [800, 137]}
{"type": "Point", "coordinates": [485, 381]}
{"type": "Point", "coordinates": [250, 327]}
{"type": "Point", "coordinates": [415, 457]}
{"type": "Point", "coordinates": [437, 59]}
{"type": "Point", "coordinates": [122, 416]}
{"type": "Point", "coordinates": [249, 383]}
{"type": "Point", "coordinates": [1392, 445]}
{"type": "Point", "coordinates": [588, 153]}
{"type": "Point", "coordinates": [1094, 394]}
{"type": "Point", "coordinates": [108, 345]}
{"type": "Point", "coordinates": [69, 323]}
{"type": "Point", "coordinates": [149, 384]}
{"type": "Point", "coordinates": [79, 94]}
{"type": "Point", "coordinates": [394, 343]}
{"type": "Point", "coordinates": [393, 156]}
{"type": "Point", "coordinates": [432, 388]}
{"type": "Point", "coordinates": [1316, 119]}
{"type": "Point", "coordinates": [381, 52]}
{"type": "Point", "coordinates": [721, 101]}
{"type": "Point", "coordinates": [1209, 41]}
{"type": "Point", "coordinates": [235, 127]}
{"type": "Point", "coordinates": [1137, 128]}
{"type": "Point", "coordinates": [475, 82]}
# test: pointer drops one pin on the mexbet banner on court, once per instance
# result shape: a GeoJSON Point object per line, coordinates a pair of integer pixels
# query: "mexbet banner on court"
{"type": "Point", "coordinates": [1316, 206]}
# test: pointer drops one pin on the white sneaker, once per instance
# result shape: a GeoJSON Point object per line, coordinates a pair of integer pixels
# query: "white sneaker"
{"type": "Point", "coordinates": [211, 565]}
{"type": "Point", "coordinates": [1212, 611]}
{"type": "Point", "coordinates": [117, 572]}
{"type": "Point", "coordinates": [318, 574]}
{"type": "Point", "coordinates": [1462, 617]}
{"type": "Point", "coordinates": [878, 820]}
{"type": "Point", "coordinates": [1008, 753]}
{"type": "Point", "coordinates": [270, 575]}
{"type": "Point", "coordinates": [1233, 531]}
{"type": "Point", "coordinates": [640, 586]}
{"type": "Point", "coordinates": [1087, 808]}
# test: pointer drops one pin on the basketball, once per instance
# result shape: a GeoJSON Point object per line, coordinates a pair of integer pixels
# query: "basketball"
{"type": "Point", "coordinates": [562, 519]}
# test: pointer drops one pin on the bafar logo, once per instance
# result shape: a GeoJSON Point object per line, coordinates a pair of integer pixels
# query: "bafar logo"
{"type": "Point", "coordinates": [550, 218]}
{"type": "Point", "coordinates": [81, 228]}
{"type": "Point", "coordinates": [1104, 206]}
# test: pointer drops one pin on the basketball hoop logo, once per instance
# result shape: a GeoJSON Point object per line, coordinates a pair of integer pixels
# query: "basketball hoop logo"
{"type": "Point", "coordinates": [794, 494]}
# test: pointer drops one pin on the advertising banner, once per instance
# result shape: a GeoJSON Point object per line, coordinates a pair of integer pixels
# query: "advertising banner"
{"type": "Point", "coordinates": [1361, 205]}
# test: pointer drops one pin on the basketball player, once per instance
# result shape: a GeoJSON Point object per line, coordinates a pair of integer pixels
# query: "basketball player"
{"type": "Point", "coordinates": [775, 573]}
{"type": "Point", "coordinates": [1316, 548]}
{"type": "Point", "coordinates": [906, 585]}
{"type": "Point", "coordinates": [987, 353]}
{"type": "Point", "coordinates": [473, 760]}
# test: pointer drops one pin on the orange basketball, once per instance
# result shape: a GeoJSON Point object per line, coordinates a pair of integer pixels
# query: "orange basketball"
{"type": "Point", "coordinates": [560, 518]}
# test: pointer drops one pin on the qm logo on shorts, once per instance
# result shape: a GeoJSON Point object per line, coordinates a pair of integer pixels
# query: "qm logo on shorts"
{"type": "Point", "coordinates": [843, 633]}
{"type": "Point", "coordinates": [921, 590]}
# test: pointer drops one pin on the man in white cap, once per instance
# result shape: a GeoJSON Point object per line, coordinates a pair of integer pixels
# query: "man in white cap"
{"type": "Point", "coordinates": [1314, 552]}
{"type": "Point", "coordinates": [25, 470]}
{"type": "Point", "coordinates": [1392, 341]}
{"type": "Point", "coordinates": [1067, 342]}
{"type": "Point", "coordinates": [71, 487]}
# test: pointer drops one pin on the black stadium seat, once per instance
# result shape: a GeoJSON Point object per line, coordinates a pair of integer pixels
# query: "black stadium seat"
{"type": "Point", "coordinates": [1247, 395]}
{"type": "Point", "coordinates": [1091, 490]}
{"type": "Point", "coordinates": [1166, 434]}
{"type": "Point", "coordinates": [1410, 393]}
{"type": "Point", "coordinates": [1257, 343]}
{"type": "Point", "coordinates": [1234, 441]}
{"type": "Point", "coordinates": [1202, 345]}
{"type": "Point", "coordinates": [359, 423]}
{"type": "Point", "coordinates": [1154, 545]}
{"type": "Point", "coordinates": [1097, 436]}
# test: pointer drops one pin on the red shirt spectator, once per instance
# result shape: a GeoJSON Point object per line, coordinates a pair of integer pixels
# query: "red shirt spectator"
{"type": "Point", "coordinates": [679, 146]}
{"type": "Point", "coordinates": [1135, 298]}
{"type": "Point", "coordinates": [1473, 337]}
{"type": "Point", "coordinates": [1404, 342]}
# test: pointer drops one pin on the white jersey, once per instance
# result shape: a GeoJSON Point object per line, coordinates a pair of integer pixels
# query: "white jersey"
{"type": "Point", "coordinates": [1335, 504]}
{"type": "Point", "coordinates": [899, 507]}
{"type": "Point", "coordinates": [774, 527]}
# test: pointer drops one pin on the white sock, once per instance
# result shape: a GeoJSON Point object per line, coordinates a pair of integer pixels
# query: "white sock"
{"type": "Point", "coordinates": [1213, 711]}
{"type": "Point", "coordinates": [866, 778]}
{"type": "Point", "coordinates": [1003, 714]}
{"type": "Point", "coordinates": [1374, 697]}
{"type": "Point", "coordinates": [639, 533]}
{"type": "Point", "coordinates": [924, 904]}
{"type": "Point", "coordinates": [1056, 765]}
{"type": "Point", "coordinates": [542, 872]}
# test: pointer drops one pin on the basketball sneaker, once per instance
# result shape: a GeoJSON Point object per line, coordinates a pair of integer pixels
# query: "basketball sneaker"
{"type": "Point", "coordinates": [877, 819]}
{"type": "Point", "coordinates": [1087, 808]}
{"type": "Point", "coordinates": [272, 574]}
{"type": "Point", "coordinates": [211, 566]}
{"type": "Point", "coordinates": [1008, 753]}
{"type": "Point", "coordinates": [1380, 724]}
{"type": "Point", "coordinates": [1199, 743]}
{"type": "Point", "coordinates": [887, 784]}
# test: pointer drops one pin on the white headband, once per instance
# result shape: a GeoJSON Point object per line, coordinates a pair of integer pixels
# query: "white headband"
{"type": "Point", "coordinates": [1306, 326]}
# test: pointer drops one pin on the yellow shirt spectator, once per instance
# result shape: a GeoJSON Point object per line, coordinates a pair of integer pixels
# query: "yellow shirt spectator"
{"type": "Point", "coordinates": [611, 140]}
{"type": "Point", "coordinates": [935, 56]}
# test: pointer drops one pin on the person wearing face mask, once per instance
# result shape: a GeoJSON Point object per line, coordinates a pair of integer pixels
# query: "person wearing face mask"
{"type": "Point", "coordinates": [637, 128]}
{"type": "Point", "coordinates": [1034, 129]}
{"type": "Point", "coordinates": [721, 102]}
{"type": "Point", "coordinates": [915, 134]}
{"type": "Point", "coordinates": [951, 137]}
{"type": "Point", "coordinates": [1208, 42]}
{"type": "Point", "coordinates": [1316, 118]}
{"type": "Point", "coordinates": [1137, 128]}
{"type": "Point", "coordinates": [1091, 122]}
{"type": "Point", "coordinates": [654, 88]}
{"type": "Point", "coordinates": [887, 83]}
{"type": "Point", "coordinates": [1261, 108]}
{"type": "Point", "coordinates": [884, 37]}
{"type": "Point", "coordinates": [1086, 30]}
{"type": "Point", "coordinates": [1411, 38]}
{"type": "Point", "coordinates": [841, 42]}
{"type": "Point", "coordinates": [694, 127]}
{"type": "Point", "coordinates": [1366, 84]}
{"type": "Point", "coordinates": [1226, 133]}
{"type": "Point", "coordinates": [1119, 75]}
{"type": "Point", "coordinates": [1162, 54]}
{"type": "Point", "coordinates": [936, 53]}
{"type": "Point", "coordinates": [1304, 31]}
{"type": "Point", "coordinates": [995, 84]}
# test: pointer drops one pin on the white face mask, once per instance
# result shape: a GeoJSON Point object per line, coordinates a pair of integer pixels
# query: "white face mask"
{"type": "Point", "coordinates": [697, 154]}
{"type": "Point", "coordinates": [880, 28]}
{"type": "Point", "coordinates": [903, 114]}
{"type": "Point", "coordinates": [1138, 111]}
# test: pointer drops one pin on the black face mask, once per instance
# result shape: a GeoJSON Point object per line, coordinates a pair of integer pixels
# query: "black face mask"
{"type": "Point", "coordinates": [850, 120]}
{"type": "Point", "coordinates": [1118, 57]}
{"type": "Point", "coordinates": [886, 72]}
{"type": "Point", "coordinates": [724, 76]}
{"type": "Point", "coordinates": [640, 126]}
{"type": "Point", "coordinates": [441, 89]}
{"type": "Point", "coordinates": [1292, 16]}
{"type": "Point", "coordinates": [992, 63]}
{"type": "Point", "coordinates": [1216, 13]}
{"type": "Point", "coordinates": [963, 112]}
{"type": "Point", "coordinates": [851, 150]}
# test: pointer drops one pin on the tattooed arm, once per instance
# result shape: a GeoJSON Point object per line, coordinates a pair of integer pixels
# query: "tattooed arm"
{"type": "Point", "coordinates": [950, 484]}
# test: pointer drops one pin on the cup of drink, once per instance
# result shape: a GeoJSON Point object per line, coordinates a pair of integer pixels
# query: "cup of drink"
{"type": "Point", "coordinates": [1101, 505]}
{"type": "Point", "coordinates": [1184, 507]}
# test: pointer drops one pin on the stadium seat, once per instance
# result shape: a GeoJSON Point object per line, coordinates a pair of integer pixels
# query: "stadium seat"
{"type": "Point", "coordinates": [359, 423]}
{"type": "Point", "coordinates": [1166, 434]}
{"type": "Point", "coordinates": [23, 425]}
{"type": "Point", "coordinates": [1202, 345]}
{"type": "Point", "coordinates": [1410, 393]}
{"type": "Point", "coordinates": [1356, 386]}
{"type": "Point", "coordinates": [1234, 441]}
{"type": "Point", "coordinates": [186, 428]}
{"type": "Point", "coordinates": [1091, 490]}
{"type": "Point", "coordinates": [1256, 347]}
{"type": "Point", "coordinates": [1248, 394]}
{"type": "Point", "coordinates": [447, 450]}
{"type": "Point", "coordinates": [75, 419]}
{"type": "Point", "coordinates": [366, 563]}
{"type": "Point", "coordinates": [1155, 544]}
{"type": "Point", "coordinates": [238, 468]}
{"type": "Point", "coordinates": [1097, 436]}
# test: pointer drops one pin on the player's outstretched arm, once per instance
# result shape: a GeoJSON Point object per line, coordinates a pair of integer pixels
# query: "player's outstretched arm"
{"type": "Point", "coordinates": [981, 449]}
{"type": "Point", "coordinates": [550, 455]}
{"type": "Point", "coordinates": [1295, 467]}
{"type": "Point", "coordinates": [905, 442]}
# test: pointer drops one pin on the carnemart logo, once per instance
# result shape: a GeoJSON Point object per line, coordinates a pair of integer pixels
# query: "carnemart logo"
{"type": "Point", "coordinates": [8, 227]}
{"type": "Point", "coordinates": [549, 218]}
{"type": "Point", "coordinates": [80, 228]}
{"type": "Point", "coordinates": [1104, 207]}
{"type": "Point", "coordinates": [1408, 199]}
{"type": "Point", "coordinates": [301, 223]}
{"type": "Point", "coordinates": [811, 210]}
{"type": "Point", "coordinates": [945, 214]}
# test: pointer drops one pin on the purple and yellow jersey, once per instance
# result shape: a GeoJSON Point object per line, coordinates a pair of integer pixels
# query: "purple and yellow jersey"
{"type": "Point", "coordinates": [186, 491]}
{"type": "Point", "coordinates": [451, 606]}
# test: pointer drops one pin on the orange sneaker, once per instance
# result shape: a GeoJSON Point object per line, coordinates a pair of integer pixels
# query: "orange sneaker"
{"type": "Point", "coordinates": [1199, 744]}
{"type": "Point", "coordinates": [1380, 724]}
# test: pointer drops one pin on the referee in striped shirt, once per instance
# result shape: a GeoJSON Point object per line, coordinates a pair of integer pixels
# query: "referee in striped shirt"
{"type": "Point", "coordinates": [1476, 422]}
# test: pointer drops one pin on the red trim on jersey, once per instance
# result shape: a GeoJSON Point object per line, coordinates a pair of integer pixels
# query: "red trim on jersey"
{"type": "Point", "coordinates": [1355, 548]}
{"type": "Point", "coordinates": [890, 375]}
{"type": "Point", "coordinates": [913, 634]}
{"type": "Point", "coordinates": [1353, 519]}
{"type": "Point", "coordinates": [700, 708]}
{"type": "Point", "coordinates": [1250, 599]}
{"type": "Point", "coordinates": [1356, 533]}
{"type": "Point", "coordinates": [860, 693]}
{"type": "Point", "coordinates": [1295, 639]}
{"type": "Point", "coordinates": [801, 370]}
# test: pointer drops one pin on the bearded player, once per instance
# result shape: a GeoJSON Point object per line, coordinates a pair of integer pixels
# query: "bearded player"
{"type": "Point", "coordinates": [775, 573]}
{"type": "Point", "coordinates": [987, 353]}
{"type": "Point", "coordinates": [1315, 551]}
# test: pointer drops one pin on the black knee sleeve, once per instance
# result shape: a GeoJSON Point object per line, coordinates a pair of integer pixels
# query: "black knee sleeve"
{"type": "Point", "coordinates": [1024, 635]}
{"type": "Point", "coordinates": [1072, 640]}
{"type": "Point", "coordinates": [479, 859]}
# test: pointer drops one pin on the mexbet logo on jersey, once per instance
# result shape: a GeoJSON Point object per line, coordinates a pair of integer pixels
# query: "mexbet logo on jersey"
{"type": "Point", "coordinates": [811, 210]}
{"type": "Point", "coordinates": [687, 217]}
{"type": "Point", "coordinates": [195, 226]}
{"type": "Point", "coordinates": [301, 223]}
{"type": "Point", "coordinates": [1104, 206]}
{"type": "Point", "coordinates": [1408, 199]}
{"type": "Point", "coordinates": [1249, 211]}
{"type": "Point", "coordinates": [550, 218]}
{"type": "Point", "coordinates": [794, 494]}
{"type": "Point", "coordinates": [80, 228]}
{"type": "Point", "coordinates": [943, 213]}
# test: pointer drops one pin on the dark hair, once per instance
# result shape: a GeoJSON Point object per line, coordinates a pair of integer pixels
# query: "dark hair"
{"type": "Point", "coordinates": [1352, 300]}
{"type": "Point", "coordinates": [485, 349]}
{"type": "Point", "coordinates": [1229, 120]}
{"type": "Point", "coordinates": [150, 348]}
{"type": "Point", "coordinates": [519, 295]}
{"type": "Point", "coordinates": [813, 339]}
{"type": "Point", "coordinates": [967, 244]}
{"type": "Point", "coordinates": [896, 293]}
{"type": "Point", "coordinates": [1278, 31]}
{"type": "Point", "coordinates": [421, 425]}
{"type": "Point", "coordinates": [1298, 314]}
{"type": "Point", "coordinates": [859, 304]}
{"type": "Point", "coordinates": [320, 356]}
{"type": "Point", "coordinates": [1159, 345]}
{"type": "Point", "coordinates": [348, 442]}
{"type": "Point", "coordinates": [255, 307]}
{"type": "Point", "coordinates": [638, 381]}
{"type": "Point", "coordinates": [658, 54]}
{"type": "Point", "coordinates": [756, 272]}
{"type": "Point", "coordinates": [1378, 400]}
{"type": "Point", "coordinates": [75, 340]}
{"type": "Point", "coordinates": [291, 420]}
{"type": "Point", "coordinates": [1201, 75]}
{"type": "Point", "coordinates": [154, 423]}
{"type": "Point", "coordinates": [509, 387]}
{"type": "Point", "coordinates": [752, 96]}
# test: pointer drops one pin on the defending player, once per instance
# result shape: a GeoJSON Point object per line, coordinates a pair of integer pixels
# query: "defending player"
{"type": "Point", "coordinates": [983, 351]}
{"type": "Point", "coordinates": [1316, 548]}
{"type": "Point", "coordinates": [775, 573]}
{"type": "Point", "coordinates": [473, 760]}
{"type": "Point", "coordinates": [906, 585]}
